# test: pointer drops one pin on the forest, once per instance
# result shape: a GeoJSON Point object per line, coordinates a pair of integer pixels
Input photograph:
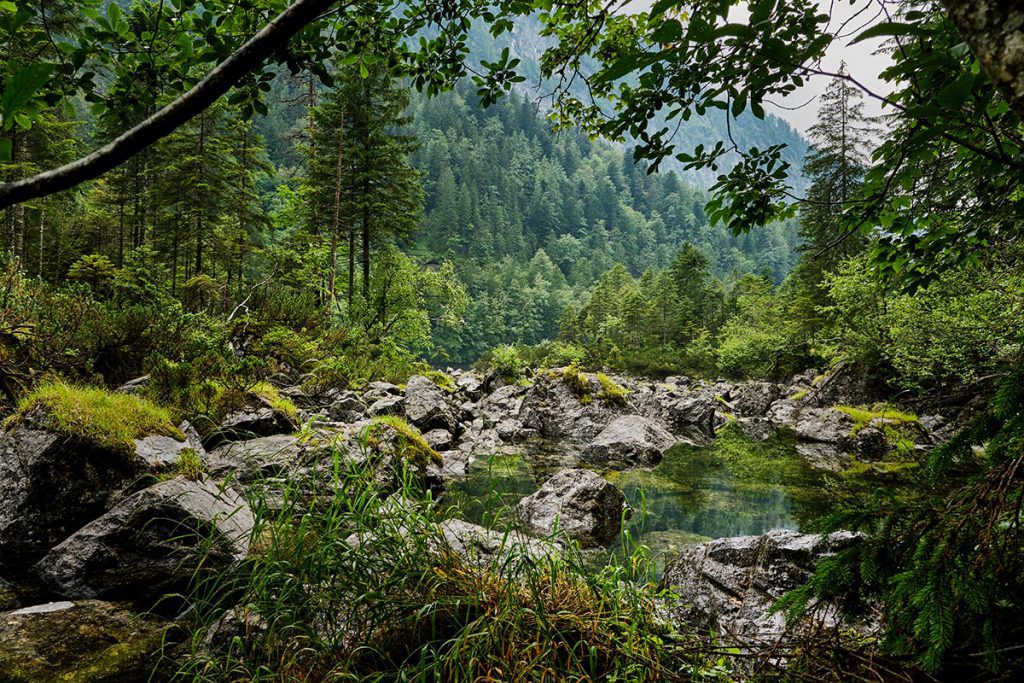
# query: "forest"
{"type": "Point", "coordinates": [494, 340]}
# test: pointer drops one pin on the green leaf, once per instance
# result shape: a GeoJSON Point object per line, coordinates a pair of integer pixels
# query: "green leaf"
{"type": "Point", "coordinates": [21, 88]}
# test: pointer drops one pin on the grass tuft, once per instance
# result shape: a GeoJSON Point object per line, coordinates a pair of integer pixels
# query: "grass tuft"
{"type": "Point", "coordinates": [410, 442]}
{"type": "Point", "coordinates": [98, 416]}
{"type": "Point", "coordinates": [611, 392]}
{"type": "Point", "coordinates": [578, 383]}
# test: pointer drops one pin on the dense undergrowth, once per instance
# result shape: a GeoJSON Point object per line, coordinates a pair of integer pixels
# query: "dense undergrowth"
{"type": "Point", "coordinates": [352, 586]}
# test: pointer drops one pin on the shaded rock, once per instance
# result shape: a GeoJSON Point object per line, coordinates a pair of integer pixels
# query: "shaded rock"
{"type": "Point", "coordinates": [8, 597]}
{"type": "Point", "coordinates": [378, 390]}
{"type": "Point", "coordinates": [480, 546]}
{"type": "Point", "coordinates": [249, 423]}
{"type": "Point", "coordinates": [86, 642]}
{"type": "Point", "coordinates": [844, 384]}
{"type": "Point", "coordinates": [388, 405]}
{"type": "Point", "coordinates": [871, 443]}
{"type": "Point", "coordinates": [135, 386]}
{"type": "Point", "coordinates": [756, 429]}
{"type": "Point", "coordinates": [237, 622]}
{"type": "Point", "coordinates": [753, 399]}
{"type": "Point", "coordinates": [470, 384]}
{"type": "Point", "coordinates": [346, 407]}
{"type": "Point", "coordinates": [151, 543]}
{"type": "Point", "coordinates": [729, 584]}
{"type": "Point", "coordinates": [579, 503]}
{"type": "Point", "coordinates": [629, 440]}
{"type": "Point", "coordinates": [427, 407]}
{"type": "Point", "coordinates": [50, 486]}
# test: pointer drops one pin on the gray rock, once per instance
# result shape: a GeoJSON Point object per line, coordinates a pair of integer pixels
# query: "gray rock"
{"type": "Point", "coordinates": [629, 440]}
{"type": "Point", "coordinates": [50, 486]}
{"type": "Point", "coordinates": [579, 503]}
{"type": "Point", "coordinates": [482, 547]}
{"type": "Point", "coordinates": [378, 390]}
{"type": "Point", "coordinates": [87, 642]}
{"type": "Point", "coordinates": [552, 409]}
{"type": "Point", "coordinates": [249, 423]}
{"type": "Point", "coordinates": [753, 399]}
{"type": "Point", "coordinates": [427, 407]}
{"type": "Point", "coordinates": [470, 384]}
{"type": "Point", "coordinates": [387, 405]}
{"type": "Point", "coordinates": [346, 407]}
{"type": "Point", "coordinates": [255, 459]}
{"type": "Point", "coordinates": [237, 622]}
{"type": "Point", "coordinates": [439, 439]}
{"type": "Point", "coordinates": [826, 425]}
{"type": "Point", "coordinates": [824, 456]}
{"type": "Point", "coordinates": [161, 453]}
{"type": "Point", "coordinates": [151, 543]}
{"type": "Point", "coordinates": [135, 386]}
{"type": "Point", "coordinates": [729, 584]}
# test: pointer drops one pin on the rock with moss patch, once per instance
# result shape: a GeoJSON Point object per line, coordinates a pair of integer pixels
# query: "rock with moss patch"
{"type": "Point", "coordinates": [629, 440]}
{"type": "Point", "coordinates": [151, 543]}
{"type": "Point", "coordinates": [52, 484]}
{"type": "Point", "coordinates": [79, 642]}
{"type": "Point", "coordinates": [826, 425]}
{"type": "Point", "coordinates": [261, 418]}
{"type": "Point", "coordinates": [579, 503]}
{"type": "Point", "coordinates": [753, 399]}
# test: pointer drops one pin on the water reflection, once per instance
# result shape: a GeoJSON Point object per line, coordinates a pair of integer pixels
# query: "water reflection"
{"type": "Point", "coordinates": [737, 485]}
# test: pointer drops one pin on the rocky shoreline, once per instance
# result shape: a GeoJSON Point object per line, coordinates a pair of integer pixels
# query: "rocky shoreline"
{"type": "Point", "coordinates": [92, 542]}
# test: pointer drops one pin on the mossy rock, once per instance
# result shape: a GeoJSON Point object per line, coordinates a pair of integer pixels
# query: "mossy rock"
{"type": "Point", "coordinates": [82, 642]}
{"type": "Point", "coordinates": [109, 420]}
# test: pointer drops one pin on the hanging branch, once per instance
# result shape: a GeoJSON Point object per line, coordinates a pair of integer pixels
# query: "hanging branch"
{"type": "Point", "coordinates": [222, 78]}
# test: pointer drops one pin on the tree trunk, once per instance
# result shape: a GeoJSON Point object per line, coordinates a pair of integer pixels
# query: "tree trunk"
{"type": "Point", "coordinates": [336, 224]}
{"type": "Point", "coordinates": [200, 223]}
{"type": "Point", "coordinates": [366, 240]}
{"type": "Point", "coordinates": [995, 31]}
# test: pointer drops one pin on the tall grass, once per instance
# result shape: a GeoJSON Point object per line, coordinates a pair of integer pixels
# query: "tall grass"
{"type": "Point", "coordinates": [350, 586]}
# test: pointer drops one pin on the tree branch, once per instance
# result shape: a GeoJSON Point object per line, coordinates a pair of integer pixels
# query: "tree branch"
{"type": "Point", "coordinates": [222, 78]}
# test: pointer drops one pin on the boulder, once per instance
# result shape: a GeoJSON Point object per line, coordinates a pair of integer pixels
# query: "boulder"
{"type": "Point", "coordinates": [346, 407]}
{"type": "Point", "coordinates": [553, 410]}
{"type": "Point", "coordinates": [151, 543]}
{"type": "Point", "coordinates": [629, 440]}
{"type": "Point", "coordinates": [255, 459]}
{"type": "Point", "coordinates": [579, 503]}
{"type": "Point", "coordinates": [825, 425]}
{"type": "Point", "coordinates": [753, 399]}
{"type": "Point", "coordinates": [729, 585]}
{"type": "Point", "coordinates": [470, 384]}
{"type": "Point", "coordinates": [158, 454]}
{"type": "Point", "coordinates": [427, 407]}
{"type": "Point", "coordinates": [480, 546]}
{"type": "Point", "coordinates": [871, 443]}
{"type": "Point", "coordinates": [378, 390]}
{"type": "Point", "coordinates": [387, 405]}
{"type": "Point", "coordinates": [51, 485]}
{"type": "Point", "coordinates": [439, 439]}
{"type": "Point", "coordinates": [260, 419]}
{"type": "Point", "coordinates": [86, 642]}
{"type": "Point", "coordinates": [238, 622]}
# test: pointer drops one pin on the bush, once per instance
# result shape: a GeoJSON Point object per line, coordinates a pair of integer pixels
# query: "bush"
{"type": "Point", "coordinates": [507, 361]}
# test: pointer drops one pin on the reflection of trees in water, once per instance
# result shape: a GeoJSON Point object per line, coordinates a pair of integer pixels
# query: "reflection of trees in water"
{"type": "Point", "coordinates": [733, 487]}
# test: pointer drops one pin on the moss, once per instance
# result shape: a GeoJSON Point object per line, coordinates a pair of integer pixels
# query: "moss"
{"type": "Point", "coordinates": [98, 416]}
{"type": "Point", "coordinates": [410, 443]}
{"type": "Point", "coordinates": [226, 400]}
{"type": "Point", "coordinates": [611, 392]}
{"type": "Point", "coordinates": [578, 383]}
{"type": "Point", "coordinates": [443, 380]}
{"type": "Point", "coordinates": [800, 395]}
{"type": "Point", "coordinates": [271, 395]}
{"type": "Point", "coordinates": [862, 417]}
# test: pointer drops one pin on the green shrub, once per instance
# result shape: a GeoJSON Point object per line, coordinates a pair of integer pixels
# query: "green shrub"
{"type": "Point", "coordinates": [190, 465]}
{"type": "Point", "coordinates": [578, 383]}
{"type": "Point", "coordinates": [506, 361]}
{"type": "Point", "coordinates": [110, 420]}
{"type": "Point", "coordinates": [443, 380]}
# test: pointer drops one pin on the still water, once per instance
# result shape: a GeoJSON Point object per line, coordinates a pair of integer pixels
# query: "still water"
{"type": "Point", "coordinates": [740, 484]}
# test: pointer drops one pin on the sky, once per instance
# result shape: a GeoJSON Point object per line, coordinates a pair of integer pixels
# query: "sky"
{"type": "Point", "coordinates": [801, 108]}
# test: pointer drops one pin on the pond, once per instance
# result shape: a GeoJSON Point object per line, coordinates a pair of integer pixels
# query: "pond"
{"type": "Point", "coordinates": [739, 484]}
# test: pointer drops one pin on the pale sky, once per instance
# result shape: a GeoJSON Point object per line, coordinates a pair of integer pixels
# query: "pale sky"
{"type": "Point", "coordinates": [801, 108]}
